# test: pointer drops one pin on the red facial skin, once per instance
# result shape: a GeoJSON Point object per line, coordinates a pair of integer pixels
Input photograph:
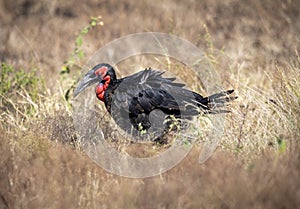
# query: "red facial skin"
{"type": "Point", "coordinates": [100, 89]}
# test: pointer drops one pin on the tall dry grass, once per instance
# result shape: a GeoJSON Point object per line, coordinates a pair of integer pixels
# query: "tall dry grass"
{"type": "Point", "coordinates": [253, 46]}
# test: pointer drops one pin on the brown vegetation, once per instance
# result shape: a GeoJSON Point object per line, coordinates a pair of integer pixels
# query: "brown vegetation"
{"type": "Point", "coordinates": [254, 46]}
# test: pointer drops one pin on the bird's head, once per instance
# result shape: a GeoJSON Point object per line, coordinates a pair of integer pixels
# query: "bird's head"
{"type": "Point", "coordinates": [103, 74]}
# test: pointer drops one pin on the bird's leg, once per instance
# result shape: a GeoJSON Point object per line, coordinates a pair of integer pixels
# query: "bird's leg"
{"type": "Point", "coordinates": [172, 124]}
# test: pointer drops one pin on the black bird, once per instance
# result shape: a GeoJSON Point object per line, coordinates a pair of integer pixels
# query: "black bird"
{"type": "Point", "coordinates": [143, 100]}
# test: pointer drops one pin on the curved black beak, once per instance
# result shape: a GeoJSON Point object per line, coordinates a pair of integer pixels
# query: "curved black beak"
{"type": "Point", "coordinates": [89, 79]}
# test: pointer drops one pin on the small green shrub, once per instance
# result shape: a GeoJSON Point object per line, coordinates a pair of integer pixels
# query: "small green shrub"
{"type": "Point", "coordinates": [19, 94]}
{"type": "Point", "coordinates": [14, 81]}
{"type": "Point", "coordinates": [77, 54]}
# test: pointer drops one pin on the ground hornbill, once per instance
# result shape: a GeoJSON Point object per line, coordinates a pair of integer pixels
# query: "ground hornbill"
{"type": "Point", "coordinates": [142, 101]}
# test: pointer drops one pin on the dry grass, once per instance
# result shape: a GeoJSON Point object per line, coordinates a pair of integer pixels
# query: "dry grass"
{"type": "Point", "coordinates": [253, 46]}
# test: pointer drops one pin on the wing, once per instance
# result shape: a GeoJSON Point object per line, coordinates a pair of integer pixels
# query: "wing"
{"type": "Point", "coordinates": [149, 90]}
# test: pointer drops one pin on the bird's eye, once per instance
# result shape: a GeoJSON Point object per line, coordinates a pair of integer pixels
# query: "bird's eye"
{"type": "Point", "coordinates": [101, 71]}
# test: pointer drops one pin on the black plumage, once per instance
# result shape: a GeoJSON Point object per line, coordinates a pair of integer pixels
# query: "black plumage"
{"type": "Point", "coordinates": [134, 99]}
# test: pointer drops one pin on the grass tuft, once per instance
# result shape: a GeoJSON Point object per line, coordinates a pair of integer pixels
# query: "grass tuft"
{"type": "Point", "coordinates": [251, 45]}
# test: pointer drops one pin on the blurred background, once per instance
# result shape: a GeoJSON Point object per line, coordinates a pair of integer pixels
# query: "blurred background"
{"type": "Point", "coordinates": [44, 31]}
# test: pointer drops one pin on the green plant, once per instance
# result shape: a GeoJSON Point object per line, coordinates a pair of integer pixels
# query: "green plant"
{"type": "Point", "coordinates": [5, 83]}
{"type": "Point", "coordinates": [19, 94]}
{"type": "Point", "coordinates": [15, 81]}
{"type": "Point", "coordinates": [12, 79]}
{"type": "Point", "coordinates": [77, 54]}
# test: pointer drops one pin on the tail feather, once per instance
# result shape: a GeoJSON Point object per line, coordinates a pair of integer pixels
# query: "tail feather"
{"type": "Point", "coordinates": [211, 104]}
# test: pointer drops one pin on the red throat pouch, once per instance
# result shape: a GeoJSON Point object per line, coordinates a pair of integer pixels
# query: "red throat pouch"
{"type": "Point", "coordinates": [100, 91]}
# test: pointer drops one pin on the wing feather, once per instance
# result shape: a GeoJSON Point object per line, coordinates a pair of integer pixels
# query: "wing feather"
{"type": "Point", "coordinates": [152, 90]}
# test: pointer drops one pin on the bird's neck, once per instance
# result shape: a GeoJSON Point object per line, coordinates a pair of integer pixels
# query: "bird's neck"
{"type": "Point", "coordinates": [102, 87]}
